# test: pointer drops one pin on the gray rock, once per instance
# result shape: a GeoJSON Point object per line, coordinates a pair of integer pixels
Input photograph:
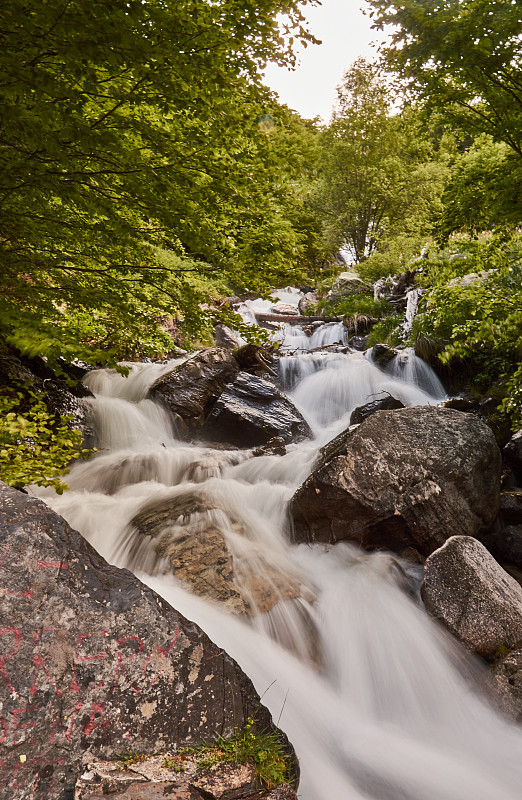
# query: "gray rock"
{"type": "Point", "coordinates": [191, 389]}
{"type": "Point", "coordinates": [411, 477]}
{"type": "Point", "coordinates": [386, 403]}
{"type": "Point", "coordinates": [252, 411]}
{"type": "Point", "coordinates": [473, 597]}
{"type": "Point", "coordinates": [93, 662]}
{"type": "Point", "coordinates": [511, 506]}
{"type": "Point", "coordinates": [225, 337]}
{"type": "Point", "coordinates": [346, 283]}
{"type": "Point", "coordinates": [507, 673]}
{"type": "Point", "coordinates": [307, 302]}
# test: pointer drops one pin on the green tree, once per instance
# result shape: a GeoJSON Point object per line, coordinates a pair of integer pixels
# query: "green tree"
{"type": "Point", "coordinates": [484, 191]}
{"type": "Point", "coordinates": [130, 127]}
{"type": "Point", "coordinates": [379, 180]}
{"type": "Point", "coordinates": [463, 58]}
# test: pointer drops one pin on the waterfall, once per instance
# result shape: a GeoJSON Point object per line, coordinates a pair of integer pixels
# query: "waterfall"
{"type": "Point", "coordinates": [377, 701]}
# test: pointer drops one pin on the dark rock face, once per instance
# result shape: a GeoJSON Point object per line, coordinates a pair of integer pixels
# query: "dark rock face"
{"type": "Point", "coordinates": [511, 506]}
{"type": "Point", "coordinates": [191, 389]}
{"type": "Point", "coordinates": [412, 477]}
{"type": "Point", "coordinates": [506, 545]}
{"type": "Point", "coordinates": [471, 595]}
{"type": "Point", "coordinates": [507, 674]}
{"type": "Point", "coordinates": [252, 411]}
{"type": "Point", "coordinates": [512, 453]}
{"type": "Point", "coordinates": [93, 662]}
{"type": "Point", "coordinates": [382, 354]}
{"type": "Point", "coordinates": [387, 403]}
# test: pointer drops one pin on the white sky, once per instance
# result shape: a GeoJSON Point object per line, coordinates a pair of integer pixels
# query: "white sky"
{"type": "Point", "coordinates": [345, 34]}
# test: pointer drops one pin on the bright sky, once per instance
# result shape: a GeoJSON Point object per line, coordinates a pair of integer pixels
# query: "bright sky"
{"type": "Point", "coordinates": [345, 34]}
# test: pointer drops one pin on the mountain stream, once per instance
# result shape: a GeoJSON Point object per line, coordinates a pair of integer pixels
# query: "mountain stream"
{"type": "Point", "coordinates": [382, 706]}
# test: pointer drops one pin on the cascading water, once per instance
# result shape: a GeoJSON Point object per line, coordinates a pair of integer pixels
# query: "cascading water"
{"type": "Point", "coordinates": [369, 691]}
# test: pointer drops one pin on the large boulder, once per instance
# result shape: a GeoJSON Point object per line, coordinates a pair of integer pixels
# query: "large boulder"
{"type": "Point", "coordinates": [410, 477]}
{"type": "Point", "coordinates": [93, 663]}
{"type": "Point", "coordinates": [252, 411]}
{"type": "Point", "coordinates": [191, 389]}
{"type": "Point", "coordinates": [308, 302]}
{"type": "Point", "coordinates": [347, 282]}
{"type": "Point", "coordinates": [473, 597]}
{"type": "Point", "coordinates": [511, 506]}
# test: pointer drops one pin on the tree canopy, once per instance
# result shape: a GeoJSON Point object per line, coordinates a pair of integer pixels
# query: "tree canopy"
{"type": "Point", "coordinates": [131, 128]}
{"type": "Point", "coordinates": [379, 177]}
{"type": "Point", "coordinates": [463, 58]}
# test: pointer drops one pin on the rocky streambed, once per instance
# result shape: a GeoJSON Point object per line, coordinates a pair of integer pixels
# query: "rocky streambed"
{"type": "Point", "coordinates": [351, 552]}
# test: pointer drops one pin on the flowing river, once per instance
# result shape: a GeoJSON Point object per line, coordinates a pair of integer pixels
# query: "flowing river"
{"type": "Point", "coordinates": [378, 703]}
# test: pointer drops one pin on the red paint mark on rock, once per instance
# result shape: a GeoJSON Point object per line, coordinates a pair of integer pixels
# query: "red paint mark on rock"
{"type": "Point", "coordinates": [55, 564]}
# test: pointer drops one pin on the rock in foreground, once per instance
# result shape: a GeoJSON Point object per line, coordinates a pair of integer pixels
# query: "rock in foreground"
{"type": "Point", "coordinates": [410, 477]}
{"type": "Point", "coordinates": [93, 663]}
{"type": "Point", "coordinates": [471, 595]}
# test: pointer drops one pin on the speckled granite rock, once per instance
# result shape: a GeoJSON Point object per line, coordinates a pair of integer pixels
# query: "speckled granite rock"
{"type": "Point", "coordinates": [411, 477]}
{"type": "Point", "coordinates": [92, 662]}
{"type": "Point", "coordinates": [507, 673]}
{"type": "Point", "coordinates": [471, 595]}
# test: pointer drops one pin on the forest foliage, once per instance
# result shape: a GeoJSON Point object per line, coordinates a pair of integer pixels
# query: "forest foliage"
{"type": "Point", "coordinates": [146, 172]}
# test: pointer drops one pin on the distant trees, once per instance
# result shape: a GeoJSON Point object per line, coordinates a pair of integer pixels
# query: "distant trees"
{"type": "Point", "coordinates": [378, 178]}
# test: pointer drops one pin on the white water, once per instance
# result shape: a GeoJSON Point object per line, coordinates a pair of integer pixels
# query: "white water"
{"type": "Point", "coordinates": [391, 713]}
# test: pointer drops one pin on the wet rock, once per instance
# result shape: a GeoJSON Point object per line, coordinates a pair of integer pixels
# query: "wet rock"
{"type": "Point", "coordinates": [194, 535]}
{"type": "Point", "coordinates": [93, 662]}
{"type": "Point", "coordinates": [252, 411]}
{"type": "Point", "coordinates": [507, 673]}
{"type": "Point", "coordinates": [274, 447]}
{"type": "Point", "coordinates": [191, 389]}
{"type": "Point", "coordinates": [359, 343]}
{"type": "Point", "coordinates": [411, 477]}
{"type": "Point", "coordinates": [307, 302]}
{"type": "Point", "coordinates": [386, 403]}
{"type": "Point", "coordinates": [511, 506]}
{"type": "Point", "coordinates": [225, 337]}
{"type": "Point", "coordinates": [254, 359]}
{"type": "Point", "coordinates": [382, 354]}
{"type": "Point", "coordinates": [506, 545]}
{"type": "Point", "coordinates": [512, 453]}
{"type": "Point", "coordinates": [473, 597]}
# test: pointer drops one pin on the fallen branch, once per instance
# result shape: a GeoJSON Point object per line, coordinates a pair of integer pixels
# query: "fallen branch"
{"type": "Point", "coordinates": [294, 319]}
